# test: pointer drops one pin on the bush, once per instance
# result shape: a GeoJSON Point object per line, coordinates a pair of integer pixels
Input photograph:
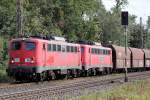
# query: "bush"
{"type": "Point", "coordinates": [3, 60]}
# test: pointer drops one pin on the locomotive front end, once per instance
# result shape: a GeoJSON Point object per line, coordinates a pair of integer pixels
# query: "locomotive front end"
{"type": "Point", "coordinates": [22, 59]}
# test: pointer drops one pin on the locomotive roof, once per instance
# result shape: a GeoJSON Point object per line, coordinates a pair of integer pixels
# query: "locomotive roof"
{"type": "Point", "coordinates": [120, 51]}
{"type": "Point", "coordinates": [42, 40]}
{"type": "Point", "coordinates": [147, 53]}
{"type": "Point", "coordinates": [62, 42]}
{"type": "Point", "coordinates": [137, 53]}
{"type": "Point", "coordinates": [96, 46]}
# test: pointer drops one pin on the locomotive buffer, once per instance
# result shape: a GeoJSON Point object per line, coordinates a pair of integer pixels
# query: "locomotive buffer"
{"type": "Point", "coordinates": [124, 22]}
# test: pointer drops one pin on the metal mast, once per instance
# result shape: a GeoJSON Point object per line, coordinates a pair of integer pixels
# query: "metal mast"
{"type": "Point", "coordinates": [19, 17]}
{"type": "Point", "coordinates": [142, 42]}
{"type": "Point", "coordinates": [126, 46]}
{"type": "Point", "coordinates": [124, 22]}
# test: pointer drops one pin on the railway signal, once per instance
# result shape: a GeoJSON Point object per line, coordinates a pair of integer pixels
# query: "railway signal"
{"type": "Point", "coordinates": [124, 22]}
{"type": "Point", "coordinates": [124, 18]}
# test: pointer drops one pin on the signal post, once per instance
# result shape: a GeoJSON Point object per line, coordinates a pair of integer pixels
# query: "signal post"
{"type": "Point", "coordinates": [124, 22]}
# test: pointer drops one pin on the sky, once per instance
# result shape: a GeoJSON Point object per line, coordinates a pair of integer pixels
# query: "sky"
{"type": "Point", "coordinates": [140, 8]}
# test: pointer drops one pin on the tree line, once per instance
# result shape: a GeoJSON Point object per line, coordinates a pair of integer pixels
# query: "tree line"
{"type": "Point", "coordinates": [73, 19]}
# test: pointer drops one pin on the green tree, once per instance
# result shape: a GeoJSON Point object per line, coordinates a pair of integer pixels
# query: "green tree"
{"type": "Point", "coordinates": [148, 33]}
{"type": "Point", "coordinates": [4, 52]}
{"type": "Point", "coordinates": [134, 34]}
{"type": "Point", "coordinates": [120, 3]}
{"type": "Point", "coordinates": [7, 17]}
{"type": "Point", "coordinates": [148, 23]}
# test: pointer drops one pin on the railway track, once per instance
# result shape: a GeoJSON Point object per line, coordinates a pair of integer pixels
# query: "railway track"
{"type": "Point", "coordinates": [10, 88]}
{"type": "Point", "coordinates": [70, 87]}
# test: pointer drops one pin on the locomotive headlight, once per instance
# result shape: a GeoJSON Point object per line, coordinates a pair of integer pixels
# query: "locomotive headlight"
{"type": "Point", "coordinates": [32, 60]}
{"type": "Point", "coordinates": [12, 60]}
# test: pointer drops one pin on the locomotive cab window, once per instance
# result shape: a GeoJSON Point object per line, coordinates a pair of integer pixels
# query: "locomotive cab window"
{"type": "Point", "coordinates": [82, 49]}
{"type": "Point", "coordinates": [63, 48]}
{"type": "Point", "coordinates": [72, 49]}
{"type": "Point", "coordinates": [68, 48]}
{"type": "Point", "coordinates": [108, 52]}
{"type": "Point", "coordinates": [101, 51]}
{"type": "Point", "coordinates": [58, 47]}
{"type": "Point", "coordinates": [54, 47]}
{"type": "Point", "coordinates": [96, 51]}
{"type": "Point", "coordinates": [92, 50]}
{"type": "Point", "coordinates": [75, 49]}
{"type": "Point", "coordinates": [49, 47]}
{"type": "Point", "coordinates": [29, 46]}
{"type": "Point", "coordinates": [16, 46]}
{"type": "Point", "coordinates": [104, 52]}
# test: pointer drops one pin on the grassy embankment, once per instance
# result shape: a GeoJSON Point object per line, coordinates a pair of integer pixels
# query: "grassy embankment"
{"type": "Point", "coordinates": [138, 90]}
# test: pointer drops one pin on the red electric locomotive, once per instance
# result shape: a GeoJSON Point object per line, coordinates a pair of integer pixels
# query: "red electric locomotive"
{"type": "Point", "coordinates": [34, 58]}
{"type": "Point", "coordinates": [96, 58]}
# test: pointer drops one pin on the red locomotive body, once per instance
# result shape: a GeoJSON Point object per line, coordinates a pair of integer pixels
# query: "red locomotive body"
{"type": "Point", "coordinates": [96, 57]}
{"type": "Point", "coordinates": [23, 55]}
{"type": "Point", "coordinates": [37, 57]}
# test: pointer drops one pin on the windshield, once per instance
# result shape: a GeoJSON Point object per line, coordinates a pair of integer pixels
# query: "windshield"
{"type": "Point", "coordinates": [29, 45]}
{"type": "Point", "coordinates": [16, 46]}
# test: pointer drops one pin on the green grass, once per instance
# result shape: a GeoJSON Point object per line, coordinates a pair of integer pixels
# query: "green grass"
{"type": "Point", "coordinates": [138, 90]}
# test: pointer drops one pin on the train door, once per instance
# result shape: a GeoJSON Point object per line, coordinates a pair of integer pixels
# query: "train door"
{"type": "Point", "coordinates": [44, 54]}
{"type": "Point", "coordinates": [89, 52]}
{"type": "Point", "coordinates": [79, 56]}
{"type": "Point", "coordinates": [82, 54]}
